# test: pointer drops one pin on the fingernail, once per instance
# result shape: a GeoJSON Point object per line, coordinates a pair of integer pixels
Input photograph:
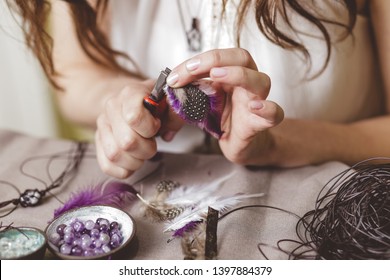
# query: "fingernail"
{"type": "Point", "coordinates": [256, 105]}
{"type": "Point", "coordinates": [168, 136]}
{"type": "Point", "coordinates": [193, 64]}
{"type": "Point", "coordinates": [218, 72]}
{"type": "Point", "coordinates": [172, 78]}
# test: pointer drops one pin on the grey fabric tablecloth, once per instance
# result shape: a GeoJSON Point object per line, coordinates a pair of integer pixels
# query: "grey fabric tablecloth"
{"type": "Point", "coordinates": [239, 233]}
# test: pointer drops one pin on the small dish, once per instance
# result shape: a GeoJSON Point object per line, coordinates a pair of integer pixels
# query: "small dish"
{"type": "Point", "coordinates": [22, 243]}
{"type": "Point", "coordinates": [83, 216]}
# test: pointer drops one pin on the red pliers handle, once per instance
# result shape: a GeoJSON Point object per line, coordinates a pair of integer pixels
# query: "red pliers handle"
{"type": "Point", "coordinates": [156, 102]}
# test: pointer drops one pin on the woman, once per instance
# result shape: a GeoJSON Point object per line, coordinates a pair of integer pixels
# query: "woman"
{"type": "Point", "coordinates": [326, 61]}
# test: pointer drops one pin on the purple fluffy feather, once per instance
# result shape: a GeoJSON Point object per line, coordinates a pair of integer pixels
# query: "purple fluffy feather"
{"type": "Point", "coordinates": [112, 193]}
{"type": "Point", "coordinates": [187, 228]}
{"type": "Point", "coordinates": [198, 104]}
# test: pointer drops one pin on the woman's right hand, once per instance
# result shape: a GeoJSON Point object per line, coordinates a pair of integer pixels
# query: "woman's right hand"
{"type": "Point", "coordinates": [125, 131]}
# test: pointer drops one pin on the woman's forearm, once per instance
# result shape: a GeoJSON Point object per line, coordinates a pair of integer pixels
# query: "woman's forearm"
{"type": "Point", "coordinates": [302, 142]}
{"type": "Point", "coordinates": [85, 93]}
{"type": "Point", "coordinates": [86, 83]}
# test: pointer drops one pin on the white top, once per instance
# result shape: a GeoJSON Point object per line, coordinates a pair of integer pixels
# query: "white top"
{"type": "Point", "coordinates": [151, 32]}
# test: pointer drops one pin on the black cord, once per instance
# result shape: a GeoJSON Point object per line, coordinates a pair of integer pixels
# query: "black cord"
{"type": "Point", "coordinates": [33, 197]}
{"type": "Point", "coordinates": [350, 220]}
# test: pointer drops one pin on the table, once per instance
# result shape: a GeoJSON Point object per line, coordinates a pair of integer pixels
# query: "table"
{"type": "Point", "coordinates": [239, 233]}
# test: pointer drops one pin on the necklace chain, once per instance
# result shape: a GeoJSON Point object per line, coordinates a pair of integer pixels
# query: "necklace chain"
{"type": "Point", "coordinates": [194, 34]}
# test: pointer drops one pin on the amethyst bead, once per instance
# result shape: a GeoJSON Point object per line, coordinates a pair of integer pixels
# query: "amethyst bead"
{"type": "Point", "coordinates": [69, 237]}
{"type": "Point", "coordinates": [96, 244]}
{"type": "Point", "coordinates": [65, 249]}
{"type": "Point", "coordinates": [89, 225]}
{"type": "Point", "coordinates": [104, 238]}
{"type": "Point", "coordinates": [98, 251]}
{"type": "Point", "coordinates": [103, 228]}
{"type": "Point", "coordinates": [106, 248]}
{"type": "Point", "coordinates": [94, 233]}
{"type": "Point", "coordinates": [102, 221]}
{"type": "Point", "coordinates": [55, 238]}
{"type": "Point", "coordinates": [114, 225]}
{"type": "Point", "coordinates": [76, 251]}
{"type": "Point", "coordinates": [60, 229]}
{"type": "Point", "coordinates": [77, 242]}
{"type": "Point", "coordinates": [68, 229]}
{"type": "Point", "coordinates": [78, 226]}
{"type": "Point", "coordinates": [88, 253]}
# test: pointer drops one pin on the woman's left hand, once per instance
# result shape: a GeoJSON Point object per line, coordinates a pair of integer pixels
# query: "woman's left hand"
{"type": "Point", "coordinates": [247, 115]}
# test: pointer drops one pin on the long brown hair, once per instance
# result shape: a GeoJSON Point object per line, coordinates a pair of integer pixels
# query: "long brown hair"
{"type": "Point", "coordinates": [96, 45]}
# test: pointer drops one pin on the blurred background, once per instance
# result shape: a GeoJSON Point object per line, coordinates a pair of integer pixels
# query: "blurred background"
{"type": "Point", "coordinates": [27, 104]}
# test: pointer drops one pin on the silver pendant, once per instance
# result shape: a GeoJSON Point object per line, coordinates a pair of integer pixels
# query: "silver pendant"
{"type": "Point", "coordinates": [194, 36]}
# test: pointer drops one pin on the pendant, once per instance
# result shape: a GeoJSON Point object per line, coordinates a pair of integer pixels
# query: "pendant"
{"type": "Point", "coordinates": [194, 36]}
{"type": "Point", "coordinates": [31, 198]}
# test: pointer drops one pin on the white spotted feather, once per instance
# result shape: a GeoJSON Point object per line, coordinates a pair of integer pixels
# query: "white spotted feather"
{"type": "Point", "coordinates": [192, 195]}
{"type": "Point", "coordinates": [199, 213]}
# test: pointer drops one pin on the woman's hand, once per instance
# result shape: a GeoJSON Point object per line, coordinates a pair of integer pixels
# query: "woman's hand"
{"type": "Point", "coordinates": [125, 135]}
{"type": "Point", "coordinates": [125, 132]}
{"type": "Point", "coordinates": [247, 115]}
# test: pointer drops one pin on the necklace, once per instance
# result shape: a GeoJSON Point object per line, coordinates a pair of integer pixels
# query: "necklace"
{"type": "Point", "coordinates": [194, 34]}
{"type": "Point", "coordinates": [33, 197]}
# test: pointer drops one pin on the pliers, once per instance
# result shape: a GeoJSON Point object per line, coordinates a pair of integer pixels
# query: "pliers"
{"type": "Point", "coordinates": [156, 102]}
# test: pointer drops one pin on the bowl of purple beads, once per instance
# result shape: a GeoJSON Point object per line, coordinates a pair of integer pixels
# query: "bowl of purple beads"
{"type": "Point", "coordinates": [90, 232]}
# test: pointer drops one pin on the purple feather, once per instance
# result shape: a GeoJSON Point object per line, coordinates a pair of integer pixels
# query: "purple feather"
{"type": "Point", "coordinates": [198, 104]}
{"type": "Point", "coordinates": [111, 193]}
{"type": "Point", "coordinates": [187, 228]}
